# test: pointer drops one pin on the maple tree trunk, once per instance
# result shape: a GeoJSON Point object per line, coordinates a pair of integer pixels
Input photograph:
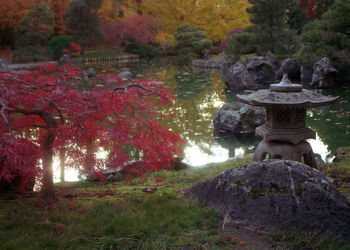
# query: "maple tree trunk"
{"type": "Point", "coordinates": [62, 162]}
{"type": "Point", "coordinates": [47, 191]}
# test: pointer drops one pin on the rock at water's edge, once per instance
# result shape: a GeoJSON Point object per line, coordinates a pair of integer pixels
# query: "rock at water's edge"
{"type": "Point", "coordinates": [291, 67]}
{"type": "Point", "coordinates": [238, 118]}
{"type": "Point", "coordinates": [324, 74]}
{"type": "Point", "coordinates": [238, 78]}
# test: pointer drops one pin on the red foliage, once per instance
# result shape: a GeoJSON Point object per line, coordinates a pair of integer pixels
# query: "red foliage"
{"type": "Point", "coordinates": [74, 50]}
{"type": "Point", "coordinates": [309, 7]}
{"type": "Point", "coordinates": [46, 108]}
{"type": "Point", "coordinates": [223, 44]}
{"type": "Point", "coordinates": [141, 28]}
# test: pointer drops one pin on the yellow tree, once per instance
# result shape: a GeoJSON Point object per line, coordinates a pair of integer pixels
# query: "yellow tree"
{"type": "Point", "coordinates": [170, 14]}
{"type": "Point", "coordinates": [116, 10]}
{"type": "Point", "coordinates": [216, 17]}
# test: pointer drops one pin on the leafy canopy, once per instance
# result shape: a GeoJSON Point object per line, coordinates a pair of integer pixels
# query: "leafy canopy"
{"type": "Point", "coordinates": [53, 109]}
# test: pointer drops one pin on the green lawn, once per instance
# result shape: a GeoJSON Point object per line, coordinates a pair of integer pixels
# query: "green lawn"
{"type": "Point", "coordinates": [134, 215]}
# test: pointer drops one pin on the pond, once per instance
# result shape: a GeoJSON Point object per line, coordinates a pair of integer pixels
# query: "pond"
{"type": "Point", "coordinates": [201, 94]}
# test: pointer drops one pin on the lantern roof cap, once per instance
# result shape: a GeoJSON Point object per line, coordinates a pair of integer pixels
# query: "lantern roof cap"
{"type": "Point", "coordinates": [286, 93]}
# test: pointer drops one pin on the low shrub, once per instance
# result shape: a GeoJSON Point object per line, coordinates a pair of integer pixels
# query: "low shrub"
{"type": "Point", "coordinates": [59, 43]}
{"type": "Point", "coordinates": [144, 51]}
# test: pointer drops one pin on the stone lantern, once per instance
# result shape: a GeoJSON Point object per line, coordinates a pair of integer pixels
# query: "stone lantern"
{"type": "Point", "coordinates": [285, 131]}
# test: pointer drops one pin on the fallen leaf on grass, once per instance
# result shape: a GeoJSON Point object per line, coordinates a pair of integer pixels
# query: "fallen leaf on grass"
{"type": "Point", "coordinates": [149, 190]}
{"type": "Point", "coordinates": [59, 229]}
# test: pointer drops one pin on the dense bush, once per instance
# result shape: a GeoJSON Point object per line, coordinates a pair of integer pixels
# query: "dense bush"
{"type": "Point", "coordinates": [36, 28]}
{"type": "Point", "coordinates": [190, 42]}
{"type": "Point", "coordinates": [31, 54]}
{"type": "Point", "coordinates": [239, 44]}
{"type": "Point", "coordinates": [59, 43]}
{"type": "Point", "coordinates": [328, 36]}
{"type": "Point", "coordinates": [144, 51]}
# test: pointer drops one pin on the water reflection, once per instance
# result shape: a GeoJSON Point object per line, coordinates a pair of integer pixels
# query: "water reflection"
{"type": "Point", "coordinates": [201, 94]}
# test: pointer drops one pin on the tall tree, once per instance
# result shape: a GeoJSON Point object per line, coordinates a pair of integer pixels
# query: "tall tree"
{"type": "Point", "coordinates": [59, 7]}
{"type": "Point", "coordinates": [271, 29]}
{"type": "Point", "coordinates": [36, 28]}
{"type": "Point", "coordinates": [46, 108]}
{"type": "Point", "coordinates": [83, 21]}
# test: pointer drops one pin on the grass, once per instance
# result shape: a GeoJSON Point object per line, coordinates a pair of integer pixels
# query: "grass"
{"type": "Point", "coordinates": [117, 215]}
{"type": "Point", "coordinates": [297, 240]}
{"type": "Point", "coordinates": [102, 52]}
{"type": "Point", "coordinates": [139, 214]}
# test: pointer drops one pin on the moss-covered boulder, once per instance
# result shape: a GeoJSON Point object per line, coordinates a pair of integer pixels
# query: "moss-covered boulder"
{"type": "Point", "coordinates": [277, 194]}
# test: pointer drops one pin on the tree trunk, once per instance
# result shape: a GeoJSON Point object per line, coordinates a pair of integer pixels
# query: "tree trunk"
{"type": "Point", "coordinates": [62, 164]}
{"type": "Point", "coordinates": [47, 190]}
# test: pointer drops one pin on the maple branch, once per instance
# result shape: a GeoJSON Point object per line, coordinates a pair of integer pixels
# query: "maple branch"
{"type": "Point", "coordinates": [125, 88]}
{"type": "Point", "coordinates": [5, 119]}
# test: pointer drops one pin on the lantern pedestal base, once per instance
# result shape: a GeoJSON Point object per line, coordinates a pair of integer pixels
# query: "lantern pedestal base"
{"type": "Point", "coordinates": [301, 152]}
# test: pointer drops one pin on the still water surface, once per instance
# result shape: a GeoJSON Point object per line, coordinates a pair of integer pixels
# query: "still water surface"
{"type": "Point", "coordinates": [200, 94]}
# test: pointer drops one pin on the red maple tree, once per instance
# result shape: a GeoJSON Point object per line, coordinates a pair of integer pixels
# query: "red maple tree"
{"type": "Point", "coordinates": [141, 28]}
{"type": "Point", "coordinates": [53, 109]}
{"type": "Point", "coordinates": [309, 7]}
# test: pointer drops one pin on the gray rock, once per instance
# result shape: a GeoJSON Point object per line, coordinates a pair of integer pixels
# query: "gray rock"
{"type": "Point", "coordinates": [324, 74]}
{"type": "Point", "coordinates": [64, 59]}
{"type": "Point", "coordinates": [318, 159]}
{"type": "Point", "coordinates": [125, 75]}
{"type": "Point", "coordinates": [262, 72]}
{"type": "Point", "coordinates": [206, 54]}
{"type": "Point", "coordinates": [238, 78]}
{"type": "Point", "coordinates": [238, 118]}
{"type": "Point", "coordinates": [254, 59]}
{"type": "Point", "coordinates": [291, 67]}
{"type": "Point", "coordinates": [277, 194]}
{"type": "Point", "coordinates": [305, 74]}
{"type": "Point", "coordinates": [211, 64]}
{"type": "Point", "coordinates": [4, 67]}
{"type": "Point", "coordinates": [109, 175]}
{"type": "Point", "coordinates": [273, 60]}
{"type": "Point", "coordinates": [225, 64]}
{"type": "Point", "coordinates": [89, 73]}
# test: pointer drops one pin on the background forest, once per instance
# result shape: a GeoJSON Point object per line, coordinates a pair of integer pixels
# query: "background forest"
{"type": "Point", "coordinates": [309, 29]}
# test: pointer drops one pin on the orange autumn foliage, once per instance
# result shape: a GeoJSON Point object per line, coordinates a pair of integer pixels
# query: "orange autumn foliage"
{"type": "Point", "coordinates": [59, 7]}
{"type": "Point", "coordinates": [12, 11]}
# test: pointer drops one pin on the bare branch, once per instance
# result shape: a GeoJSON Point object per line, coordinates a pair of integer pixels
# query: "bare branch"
{"type": "Point", "coordinates": [5, 119]}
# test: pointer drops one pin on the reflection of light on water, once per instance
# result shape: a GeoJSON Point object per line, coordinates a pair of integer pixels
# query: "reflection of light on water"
{"type": "Point", "coordinates": [197, 157]}
{"type": "Point", "coordinates": [239, 151]}
{"type": "Point", "coordinates": [319, 147]}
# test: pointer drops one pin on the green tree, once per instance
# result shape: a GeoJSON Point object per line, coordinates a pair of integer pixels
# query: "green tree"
{"type": "Point", "coordinates": [322, 6]}
{"type": "Point", "coordinates": [270, 18]}
{"type": "Point", "coordinates": [83, 21]}
{"type": "Point", "coordinates": [275, 28]}
{"type": "Point", "coordinates": [329, 36]}
{"type": "Point", "coordinates": [190, 42]}
{"type": "Point", "coordinates": [36, 28]}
